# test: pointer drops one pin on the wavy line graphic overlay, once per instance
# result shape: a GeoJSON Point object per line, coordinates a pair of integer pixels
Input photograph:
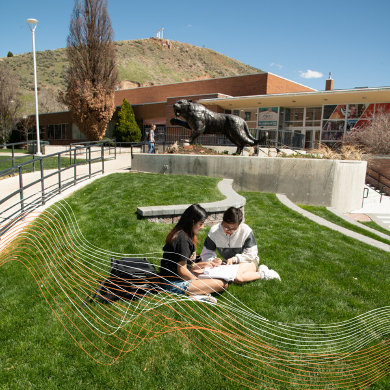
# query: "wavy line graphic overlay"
{"type": "Point", "coordinates": [230, 337]}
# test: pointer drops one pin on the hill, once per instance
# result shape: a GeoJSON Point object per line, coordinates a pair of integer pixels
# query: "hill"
{"type": "Point", "coordinates": [140, 62]}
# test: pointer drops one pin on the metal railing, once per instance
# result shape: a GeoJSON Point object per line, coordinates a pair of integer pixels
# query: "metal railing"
{"type": "Point", "coordinates": [170, 135]}
{"type": "Point", "coordinates": [109, 144]}
{"type": "Point", "coordinates": [286, 139]}
{"type": "Point", "coordinates": [23, 204]}
{"type": "Point", "coordinates": [378, 182]}
{"type": "Point", "coordinates": [19, 145]}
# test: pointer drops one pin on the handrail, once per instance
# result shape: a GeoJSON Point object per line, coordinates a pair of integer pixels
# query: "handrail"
{"type": "Point", "coordinates": [13, 157]}
{"type": "Point", "coordinates": [380, 174]}
{"type": "Point", "coordinates": [380, 186]}
{"type": "Point", "coordinates": [17, 210]}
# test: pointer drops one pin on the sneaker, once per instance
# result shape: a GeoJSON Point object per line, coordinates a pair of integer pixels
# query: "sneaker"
{"type": "Point", "coordinates": [267, 274]}
{"type": "Point", "coordinates": [203, 298]}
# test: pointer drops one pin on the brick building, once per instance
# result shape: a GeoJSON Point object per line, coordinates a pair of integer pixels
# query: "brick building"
{"type": "Point", "coordinates": [153, 104]}
{"type": "Point", "coordinates": [320, 116]}
{"type": "Point", "coordinates": [264, 100]}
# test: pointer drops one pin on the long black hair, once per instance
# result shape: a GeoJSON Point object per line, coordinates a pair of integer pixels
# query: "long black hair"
{"type": "Point", "coordinates": [193, 214]}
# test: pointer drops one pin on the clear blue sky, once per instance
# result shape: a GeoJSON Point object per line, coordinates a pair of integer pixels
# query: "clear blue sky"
{"type": "Point", "coordinates": [299, 40]}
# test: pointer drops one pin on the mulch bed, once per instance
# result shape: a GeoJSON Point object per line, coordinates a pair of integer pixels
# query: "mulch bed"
{"type": "Point", "coordinates": [195, 149]}
{"type": "Point", "coordinates": [360, 217]}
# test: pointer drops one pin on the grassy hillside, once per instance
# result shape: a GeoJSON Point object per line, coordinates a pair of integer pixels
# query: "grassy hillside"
{"type": "Point", "coordinates": [140, 62]}
{"type": "Point", "coordinates": [148, 62]}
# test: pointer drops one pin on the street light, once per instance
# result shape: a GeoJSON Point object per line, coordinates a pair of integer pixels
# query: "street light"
{"type": "Point", "coordinates": [32, 23]}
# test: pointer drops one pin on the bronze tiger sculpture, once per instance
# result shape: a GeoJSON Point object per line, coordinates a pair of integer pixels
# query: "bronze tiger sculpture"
{"type": "Point", "coordinates": [201, 120]}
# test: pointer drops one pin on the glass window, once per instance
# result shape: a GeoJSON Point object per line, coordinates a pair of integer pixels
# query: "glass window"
{"type": "Point", "coordinates": [281, 118]}
{"type": "Point", "coordinates": [272, 135]}
{"type": "Point", "coordinates": [355, 111]}
{"type": "Point", "coordinates": [33, 135]}
{"type": "Point", "coordinates": [328, 111]}
{"type": "Point", "coordinates": [236, 112]}
{"type": "Point", "coordinates": [313, 116]}
{"type": "Point", "coordinates": [110, 129]}
{"type": "Point", "coordinates": [293, 117]}
{"type": "Point", "coordinates": [247, 116]}
{"type": "Point", "coordinates": [58, 131]}
{"type": "Point", "coordinates": [228, 111]}
{"type": "Point", "coordinates": [333, 130]}
{"type": "Point", "coordinates": [76, 133]}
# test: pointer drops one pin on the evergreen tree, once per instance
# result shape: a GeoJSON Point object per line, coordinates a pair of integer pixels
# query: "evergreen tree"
{"type": "Point", "coordinates": [10, 54]}
{"type": "Point", "coordinates": [126, 128]}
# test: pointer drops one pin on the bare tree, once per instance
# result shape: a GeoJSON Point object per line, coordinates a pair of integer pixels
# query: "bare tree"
{"type": "Point", "coordinates": [49, 102]}
{"type": "Point", "coordinates": [26, 126]}
{"type": "Point", "coordinates": [9, 103]}
{"type": "Point", "coordinates": [92, 71]}
{"type": "Point", "coordinates": [375, 137]}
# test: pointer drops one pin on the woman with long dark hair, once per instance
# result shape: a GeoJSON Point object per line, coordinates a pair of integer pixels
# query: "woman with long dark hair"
{"type": "Point", "coordinates": [178, 268]}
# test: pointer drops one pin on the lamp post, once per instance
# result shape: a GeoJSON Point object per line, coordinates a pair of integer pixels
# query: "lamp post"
{"type": "Point", "coordinates": [32, 23]}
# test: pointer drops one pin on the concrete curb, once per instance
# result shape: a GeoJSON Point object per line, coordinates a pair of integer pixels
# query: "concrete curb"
{"type": "Point", "coordinates": [378, 221]}
{"type": "Point", "coordinates": [225, 186]}
{"type": "Point", "coordinates": [353, 222]}
{"type": "Point", "coordinates": [367, 240]}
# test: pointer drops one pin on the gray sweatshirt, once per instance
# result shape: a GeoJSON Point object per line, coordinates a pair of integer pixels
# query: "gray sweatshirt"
{"type": "Point", "coordinates": [240, 245]}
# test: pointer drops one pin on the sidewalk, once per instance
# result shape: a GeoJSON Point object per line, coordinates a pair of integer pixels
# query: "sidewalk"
{"type": "Point", "coordinates": [321, 221]}
{"type": "Point", "coordinates": [10, 185]}
{"type": "Point", "coordinates": [377, 210]}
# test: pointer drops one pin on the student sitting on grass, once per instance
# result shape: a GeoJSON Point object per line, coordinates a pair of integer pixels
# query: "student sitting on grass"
{"type": "Point", "coordinates": [177, 265]}
{"type": "Point", "coordinates": [236, 244]}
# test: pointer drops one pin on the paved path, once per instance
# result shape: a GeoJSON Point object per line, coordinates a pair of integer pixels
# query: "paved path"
{"type": "Point", "coordinates": [283, 198]}
{"type": "Point", "coordinates": [378, 210]}
{"type": "Point", "coordinates": [10, 185]}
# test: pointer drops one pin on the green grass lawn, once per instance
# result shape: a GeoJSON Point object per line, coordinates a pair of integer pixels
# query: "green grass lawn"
{"type": "Point", "coordinates": [331, 217]}
{"type": "Point", "coordinates": [24, 151]}
{"type": "Point", "coordinates": [48, 163]}
{"type": "Point", "coordinates": [374, 225]}
{"type": "Point", "coordinates": [251, 340]}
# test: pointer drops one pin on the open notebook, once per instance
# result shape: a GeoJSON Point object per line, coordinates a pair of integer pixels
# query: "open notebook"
{"type": "Point", "coordinates": [226, 272]}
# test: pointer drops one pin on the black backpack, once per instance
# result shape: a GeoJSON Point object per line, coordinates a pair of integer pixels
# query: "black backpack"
{"type": "Point", "coordinates": [130, 278]}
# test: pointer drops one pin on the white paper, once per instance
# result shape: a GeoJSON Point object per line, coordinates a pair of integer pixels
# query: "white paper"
{"type": "Point", "coordinates": [226, 272]}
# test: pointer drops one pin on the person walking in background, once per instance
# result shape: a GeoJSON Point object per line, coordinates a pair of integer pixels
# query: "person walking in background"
{"type": "Point", "coordinates": [151, 139]}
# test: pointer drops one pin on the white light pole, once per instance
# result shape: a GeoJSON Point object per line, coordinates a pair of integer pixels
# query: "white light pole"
{"type": "Point", "coordinates": [32, 23]}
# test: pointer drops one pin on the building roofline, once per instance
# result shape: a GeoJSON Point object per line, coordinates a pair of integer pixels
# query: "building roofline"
{"type": "Point", "coordinates": [214, 78]}
{"type": "Point", "coordinates": [291, 81]}
{"type": "Point", "coordinates": [201, 94]}
{"type": "Point", "coordinates": [332, 92]}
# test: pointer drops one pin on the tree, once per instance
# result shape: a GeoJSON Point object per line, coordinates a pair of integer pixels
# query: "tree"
{"type": "Point", "coordinates": [26, 126]}
{"type": "Point", "coordinates": [375, 137]}
{"type": "Point", "coordinates": [48, 101]}
{"type": "Point", "coordinates": [10, 54]}
{"type": "Point", "coordinates": [126, 128]}
{"type": "Point", "coordinates": [9, 103]}
{"type": "Point", "coordinates": [92, 73]}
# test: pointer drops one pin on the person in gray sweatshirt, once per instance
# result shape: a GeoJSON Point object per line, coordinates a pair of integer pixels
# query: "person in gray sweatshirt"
{"type": "Point", "coordinates": [236, 244]}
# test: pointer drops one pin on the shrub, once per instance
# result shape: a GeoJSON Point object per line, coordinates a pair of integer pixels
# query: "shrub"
{"type": "Point", "coordinates": [10, 54]}
{"type": "Point", "coordinates": [375, 138]}
{"type": "Point", "coordinates": [126, 128]}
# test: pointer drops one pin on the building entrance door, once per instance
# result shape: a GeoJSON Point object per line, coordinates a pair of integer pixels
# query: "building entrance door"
{"type": "Point", "coordinates": [309, 139]}
{"type": "Point", "coordinates": [312, 138]}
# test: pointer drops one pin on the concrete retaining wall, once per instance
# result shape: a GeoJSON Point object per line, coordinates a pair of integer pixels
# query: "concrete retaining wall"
{"type": "Point", "coordinates": [330, 183]}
